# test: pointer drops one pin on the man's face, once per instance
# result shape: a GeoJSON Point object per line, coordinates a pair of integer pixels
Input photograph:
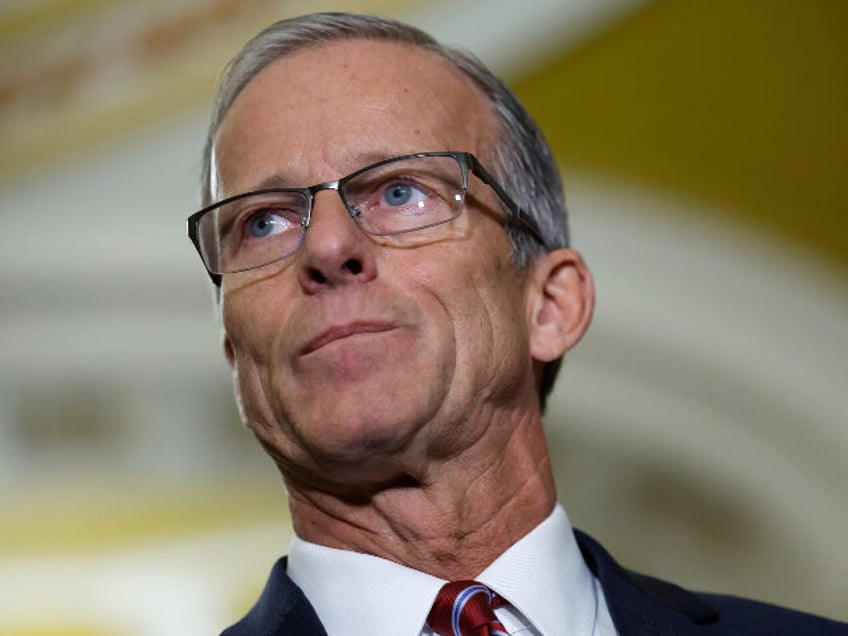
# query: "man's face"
{"type": "Point", "coordinates": [363, 359]}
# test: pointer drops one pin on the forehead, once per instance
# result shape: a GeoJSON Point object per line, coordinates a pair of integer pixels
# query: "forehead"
{"type": "Point", "coordinates": [326, 110]}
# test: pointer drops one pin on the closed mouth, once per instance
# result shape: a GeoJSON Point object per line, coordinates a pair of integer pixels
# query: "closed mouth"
{"type": "Point", "coordinates": [344, 331]}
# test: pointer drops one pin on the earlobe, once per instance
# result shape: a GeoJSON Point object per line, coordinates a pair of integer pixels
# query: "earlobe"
{"type": "Point", "coordinates": [562, 298]}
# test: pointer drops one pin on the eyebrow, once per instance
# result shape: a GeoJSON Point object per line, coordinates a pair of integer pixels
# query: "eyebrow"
{"type": "Point", "coordinates": [360, 160]}
{"type": "Point", "coordinates": [276, 180]}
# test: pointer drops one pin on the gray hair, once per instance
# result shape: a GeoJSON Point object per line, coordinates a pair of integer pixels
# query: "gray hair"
{"type": "Point", "coordinates": [521, 159]}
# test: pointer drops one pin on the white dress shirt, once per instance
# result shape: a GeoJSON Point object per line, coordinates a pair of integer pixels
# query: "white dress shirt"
{"type": "Point", "coordinates": [550, 590]}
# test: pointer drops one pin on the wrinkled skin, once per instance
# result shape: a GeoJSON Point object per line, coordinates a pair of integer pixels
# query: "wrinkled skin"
{"type": "Point", "coordinates": [392, 379]}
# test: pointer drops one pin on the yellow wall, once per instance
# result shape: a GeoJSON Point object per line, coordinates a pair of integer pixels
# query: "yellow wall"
{"type": "Point", "coordinates": [743, 104]}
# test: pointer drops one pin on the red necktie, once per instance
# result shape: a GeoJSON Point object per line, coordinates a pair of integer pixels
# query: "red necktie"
{"type": "Point", "coordinates": [464, 608]}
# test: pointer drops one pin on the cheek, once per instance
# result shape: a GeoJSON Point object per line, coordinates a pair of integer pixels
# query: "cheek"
{"type": "Point", "coordinates": [482, 300]}
{"type": "Point", "coordinates": [494, 331]}
{"type": "Point", "coordinates": [248, 329]}
{"type": "Point", "coordinates": [253, 371]}
{"type": "Point", "coordinates": [252, 313]}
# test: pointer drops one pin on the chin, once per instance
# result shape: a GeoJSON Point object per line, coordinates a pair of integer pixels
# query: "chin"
{"type": "Point", "coordinates": [354, 467]}
{"type": "Point", "coordinates": [358, 440]}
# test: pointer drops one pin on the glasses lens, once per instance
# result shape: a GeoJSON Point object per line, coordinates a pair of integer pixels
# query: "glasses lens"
{"type": "Point", "coordinates": [406, 194]}
{"type": "Point", "coordinates": [252, 230]}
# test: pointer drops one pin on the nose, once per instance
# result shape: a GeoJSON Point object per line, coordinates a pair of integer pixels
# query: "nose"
{"type": "Point", "coordinates": [335, 252]}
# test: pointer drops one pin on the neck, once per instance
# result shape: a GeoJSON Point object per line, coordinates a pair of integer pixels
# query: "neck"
{"type": "Point", "coordinates": [453, 520]}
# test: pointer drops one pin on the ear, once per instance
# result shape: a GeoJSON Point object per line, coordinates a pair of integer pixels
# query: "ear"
{"type": "Point", "coordinates": [560, 302]}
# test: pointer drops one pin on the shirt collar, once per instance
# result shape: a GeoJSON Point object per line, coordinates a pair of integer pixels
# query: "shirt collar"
{"type": "Point", "coordinates": [359, 594]}
{"type": "Point", "coordinates": [542, 575]}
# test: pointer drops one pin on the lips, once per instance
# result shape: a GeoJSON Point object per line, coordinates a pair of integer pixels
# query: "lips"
{"type": "Point", "coordinates": [343, 331]}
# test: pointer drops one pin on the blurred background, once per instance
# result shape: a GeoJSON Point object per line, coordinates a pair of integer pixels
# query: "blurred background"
{"type": "Point", "coordinates": [700, 431]}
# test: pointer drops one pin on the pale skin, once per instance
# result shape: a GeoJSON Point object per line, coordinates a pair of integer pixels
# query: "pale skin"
{"type": "Point", "coordinates": [394, 381]}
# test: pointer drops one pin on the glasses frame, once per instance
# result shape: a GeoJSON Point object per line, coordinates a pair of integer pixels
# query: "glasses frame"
{"type": "Point", "coordinates": [468, 163]}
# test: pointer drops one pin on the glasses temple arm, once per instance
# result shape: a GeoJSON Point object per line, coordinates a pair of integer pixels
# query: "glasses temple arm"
{"type": "Point", "coordinates": [518, 215]}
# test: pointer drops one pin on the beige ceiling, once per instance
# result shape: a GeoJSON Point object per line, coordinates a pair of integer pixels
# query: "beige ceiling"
{"type": "Point", "coordinates": [739, 104]}
{"type": "Point", "coordinates": [80, 72]}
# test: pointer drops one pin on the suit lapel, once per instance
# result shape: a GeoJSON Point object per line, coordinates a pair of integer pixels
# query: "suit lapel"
{"type": "Point", "coordinates": [282, 610]}
{"type": "Point", "coordinates": [644, 606]}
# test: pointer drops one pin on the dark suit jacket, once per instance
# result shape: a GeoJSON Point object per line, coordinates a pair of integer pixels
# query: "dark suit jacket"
{"type": "Point", "coordinates": [640, 606]}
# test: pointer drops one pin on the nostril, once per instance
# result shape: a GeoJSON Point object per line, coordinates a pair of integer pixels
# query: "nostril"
{"type": "Point", "coordinates": [353, 266]}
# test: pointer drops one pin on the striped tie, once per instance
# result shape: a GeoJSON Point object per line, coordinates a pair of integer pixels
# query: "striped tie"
{"type": "Point", "coordinates": [464, 608]}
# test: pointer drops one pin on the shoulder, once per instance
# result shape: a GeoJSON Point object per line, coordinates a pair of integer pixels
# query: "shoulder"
{"type": "Point", "coordinates": [743, 616]}
{"type": "Point", "coordinates": [642, 604]}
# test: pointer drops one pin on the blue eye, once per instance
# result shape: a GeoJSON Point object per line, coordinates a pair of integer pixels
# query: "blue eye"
{"type": "Point", "coordinates": [398, 194]}
{"type": "Point", "coordinates": [403, 194]}
{"type": "Point", "coordinates": [265, 224]}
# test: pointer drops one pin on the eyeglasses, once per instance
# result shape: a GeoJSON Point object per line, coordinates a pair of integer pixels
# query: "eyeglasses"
{"type": "Point", "coordinates": [394, 196]}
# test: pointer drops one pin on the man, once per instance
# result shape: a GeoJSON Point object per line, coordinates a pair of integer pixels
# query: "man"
{"type": "Point", "coordinates": [393, 333]}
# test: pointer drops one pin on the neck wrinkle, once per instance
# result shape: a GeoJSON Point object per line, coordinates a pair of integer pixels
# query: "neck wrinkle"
{"type": "Point", "coordinates": [460, 517]}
